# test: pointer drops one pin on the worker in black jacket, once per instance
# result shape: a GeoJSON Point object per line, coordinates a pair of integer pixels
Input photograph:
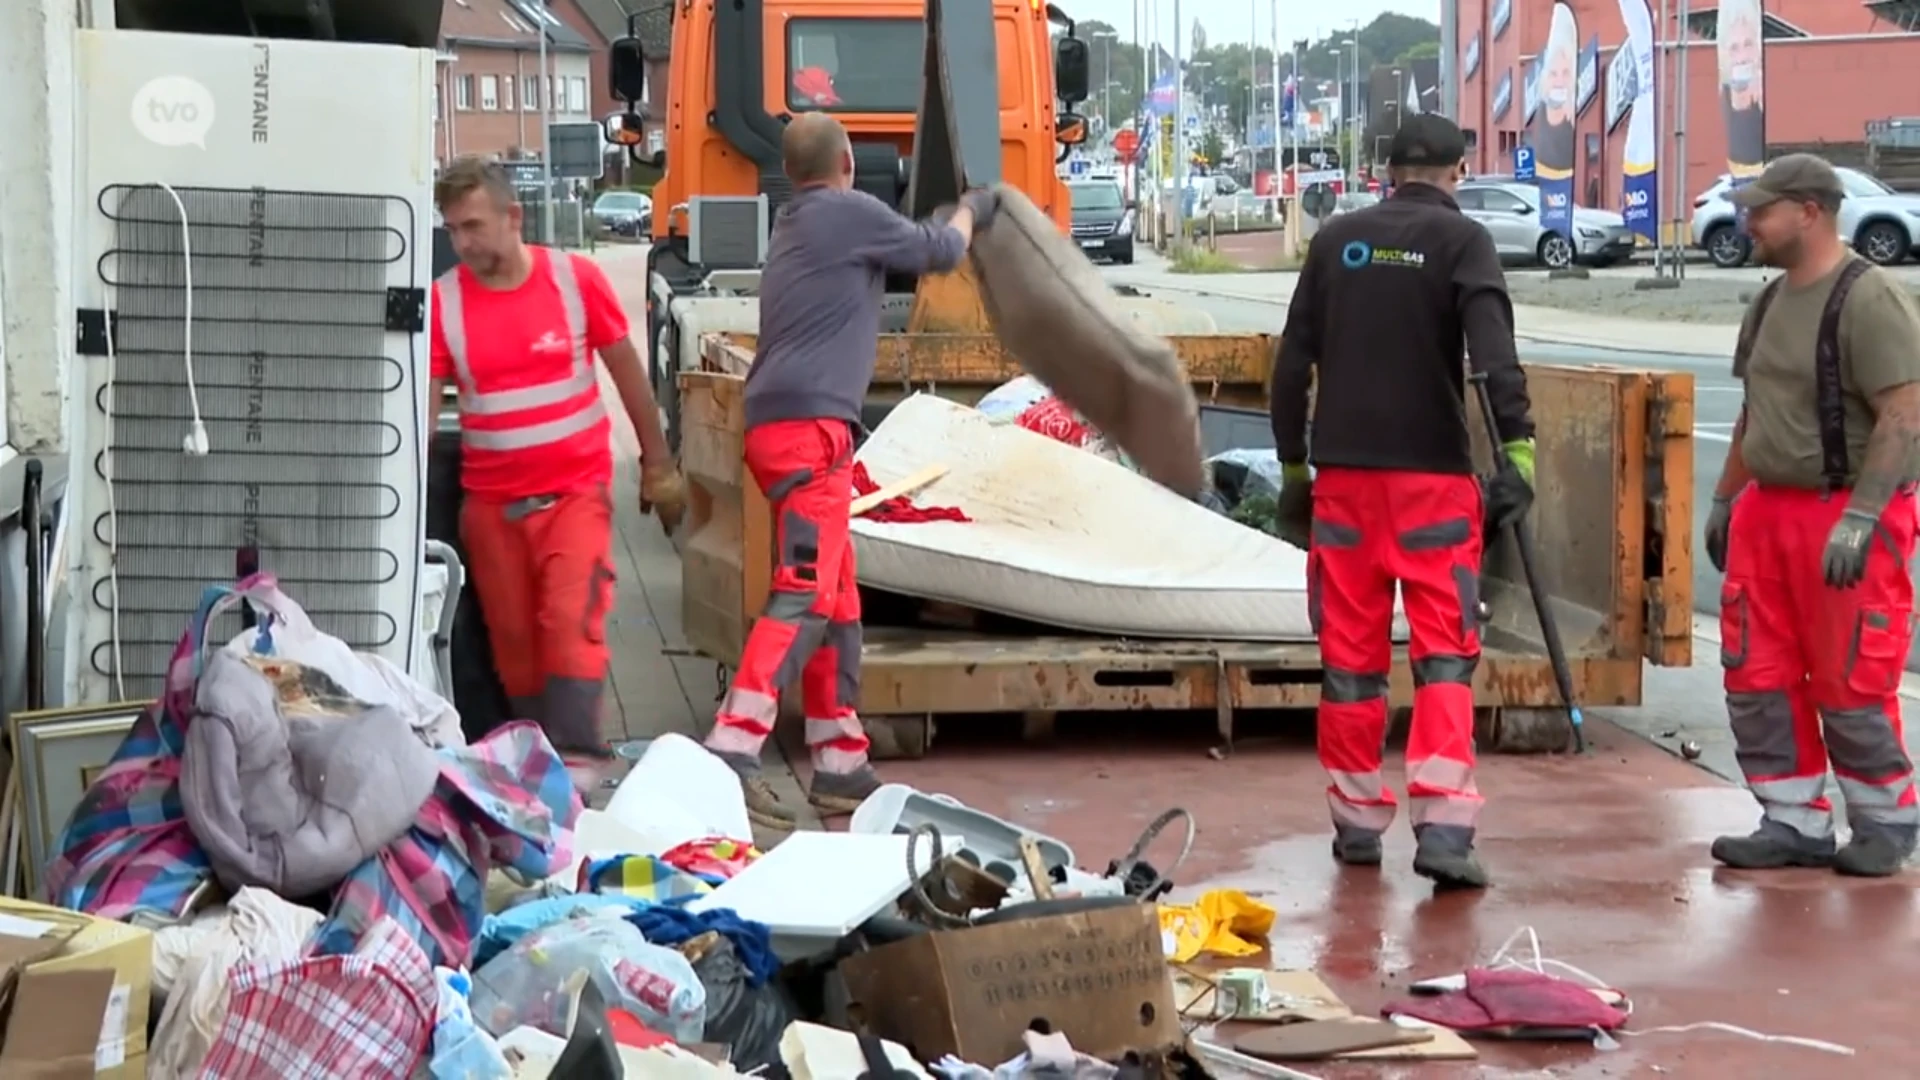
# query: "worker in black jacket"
{"type": "Point", "coordinates": [1384, 304]}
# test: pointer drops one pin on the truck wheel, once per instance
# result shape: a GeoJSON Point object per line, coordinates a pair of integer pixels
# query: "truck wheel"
{"type": "Point", "coordinates": [1727, 248]}
{"type": "Point", "coordinates": [898, 736]}
{"type": "Point", "coordinates": [1883, 243]}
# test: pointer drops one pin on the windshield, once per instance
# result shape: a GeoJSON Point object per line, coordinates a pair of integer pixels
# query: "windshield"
{"type": "Point", "coordinates": [855, 65]}
{"type": "Point", "coordinates": [619, 200]}
{"type": "Point", "coordinates": [1095, 196]}
{"type": "Point", "coordinates": [1860, 185]}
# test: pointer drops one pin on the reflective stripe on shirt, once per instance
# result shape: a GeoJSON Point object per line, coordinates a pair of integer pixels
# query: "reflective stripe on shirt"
{"type": "Point", "coordinates": [579, 382]}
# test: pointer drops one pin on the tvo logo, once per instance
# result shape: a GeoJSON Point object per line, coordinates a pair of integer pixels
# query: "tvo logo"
{"type": "Point", "coordinates": [173, 110]}
{"type": "Point", "coordinates": [1637, 199]}
{"type": "Point", "coordinates": [1557, 200]}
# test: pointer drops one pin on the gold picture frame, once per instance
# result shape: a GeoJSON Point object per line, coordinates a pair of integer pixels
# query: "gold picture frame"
{"type": "Point", "coordinates": [58, 753]}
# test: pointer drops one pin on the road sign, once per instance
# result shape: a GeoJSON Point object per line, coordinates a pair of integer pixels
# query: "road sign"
{"type": "Point", "coordinates": [1523, 163]}
{"type": "Point", "coordinates": [1318, 176]}
{"type": "Point", "coordinates": [1078, 166]}
{"type": "Point", "coordinates": [1318, 201]}
{"type": "Point", "coordinates": [579, 150]}
{"type": "Point", "coordinates": [1125, 142]}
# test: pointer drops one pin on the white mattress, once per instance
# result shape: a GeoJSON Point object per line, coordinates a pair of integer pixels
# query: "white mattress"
{"type": "Point", "coordinates": [1062, 537]}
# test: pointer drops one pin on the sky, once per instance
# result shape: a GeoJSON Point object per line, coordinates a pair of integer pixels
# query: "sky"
{"type": "Point", "coordinates": [1231, 20]}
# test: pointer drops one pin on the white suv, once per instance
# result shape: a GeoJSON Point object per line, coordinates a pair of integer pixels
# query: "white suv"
{"type": "Point", "coordinates": [1882, 224]}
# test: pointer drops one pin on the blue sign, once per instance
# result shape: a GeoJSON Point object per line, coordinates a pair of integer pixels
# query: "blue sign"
{"type": "Point", "coordinates": [1523, 163]}
{"type": "Point", "coordinates": [1079, 166]}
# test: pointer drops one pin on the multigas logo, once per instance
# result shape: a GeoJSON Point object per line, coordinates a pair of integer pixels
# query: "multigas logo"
{"type": "Point", "coordinates": [1636, 199]}
{"type": "Point", "coordinates": [1557, 200]}
{"type": "Point", "coordinates": [173, 110]}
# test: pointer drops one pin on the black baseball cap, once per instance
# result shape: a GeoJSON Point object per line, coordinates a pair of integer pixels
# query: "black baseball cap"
{"type": "Point", "coordinates": [1428, 140]}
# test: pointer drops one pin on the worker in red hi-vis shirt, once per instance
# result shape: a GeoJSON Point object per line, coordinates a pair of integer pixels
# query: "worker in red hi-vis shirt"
{"type": "Point", "coordinates": [515, 329]}
{"type": "Point", "coordinates": [820, 295]}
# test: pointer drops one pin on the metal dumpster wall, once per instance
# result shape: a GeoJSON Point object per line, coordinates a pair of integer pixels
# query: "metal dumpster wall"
{"type": "Point", "coordinates": [1596, 467]}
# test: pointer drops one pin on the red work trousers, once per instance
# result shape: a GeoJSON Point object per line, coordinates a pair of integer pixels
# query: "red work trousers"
{"type": "Point", "coordinates": [811, 625]}
{"type": "Point", "coordinates": [546, 581]}
{"type": "Point", "coordinates": [1373, 528]}
{"type": "Point", "coordinates": [1799, 654]}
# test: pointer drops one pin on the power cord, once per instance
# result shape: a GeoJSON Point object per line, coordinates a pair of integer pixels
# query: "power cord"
{"type": "Point", "coordinates": [196, 443]}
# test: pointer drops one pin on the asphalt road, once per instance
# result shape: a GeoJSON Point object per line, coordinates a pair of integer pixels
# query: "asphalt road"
{"type": "Point", "coordinates": [1717, 402]}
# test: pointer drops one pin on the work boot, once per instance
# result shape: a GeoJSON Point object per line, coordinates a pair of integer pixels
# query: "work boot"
{"type": "Point", "coordinates": [1872, 853]}
{"type": "Point", "coordinates": [834, 794]}
{"type": "Point", "coordinates": [764, 807]}
{"type": "Point", "coordinates": [1353, 847]}
{"type": "Point", "coordinates": [1772, 846]}
{"type": "Point", "coordinates": [1444, 856]}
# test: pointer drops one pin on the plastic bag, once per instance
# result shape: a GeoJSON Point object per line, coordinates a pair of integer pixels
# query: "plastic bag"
{"type": "Point", "coordinates": [1220, 922]}
{"type": "Point", "coordinates": [1243, 474]}
{"type": "Point", "coordinates": [527, 983]}
{"type": "Point", "coordinates": [746, 1019]}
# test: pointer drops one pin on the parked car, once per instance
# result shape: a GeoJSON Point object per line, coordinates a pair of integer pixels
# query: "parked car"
{"type": "Point", "coordinates": [1102, 220]}
{"type": "Point", "coordinates": [624, 213]}
{"type": "Point", "coordinates": [1883, 225]}
{"type": "Point", "coordinates": [1511, 212]}
{"type": "Point", "coordinates": [1353, 200]}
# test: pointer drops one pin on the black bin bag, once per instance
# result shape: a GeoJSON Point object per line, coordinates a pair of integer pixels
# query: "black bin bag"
{"type": "Point", "coordinates": [748, 1020]}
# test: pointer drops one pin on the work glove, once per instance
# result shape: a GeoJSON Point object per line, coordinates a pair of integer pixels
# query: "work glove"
{"type": "Point", "coordinates": [984, 202]}
{"type": "Point", "coordinates": [663, 493]}
{"type": "Point", "coordinates": [1293, 511]}
{"type": "Point", "coordinates": [1719, 523]}
{"type": "Point", "coordinates": [1846, 558]}
{"type": "Point", "coordinates": [1510, 491]}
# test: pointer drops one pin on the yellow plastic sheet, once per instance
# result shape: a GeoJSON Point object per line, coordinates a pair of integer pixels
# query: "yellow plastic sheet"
{"type": "Point", "coordinates": [1220, 922]}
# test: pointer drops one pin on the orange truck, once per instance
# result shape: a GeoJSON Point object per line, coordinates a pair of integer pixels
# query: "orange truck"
{"type": "Point", "coordinates": [1613, 520]}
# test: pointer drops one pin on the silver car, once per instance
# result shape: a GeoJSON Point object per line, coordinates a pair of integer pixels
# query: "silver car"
{"type": "Point", "coordinates": [1882, 224]}
{"type": "Point", "coordinates": [1511, 213]}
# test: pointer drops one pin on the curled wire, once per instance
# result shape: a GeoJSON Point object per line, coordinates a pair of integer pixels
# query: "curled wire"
{"type": "Point", "coordinates": [915, 882]}
{"type": "Point", "coordinates": [1123, 866]}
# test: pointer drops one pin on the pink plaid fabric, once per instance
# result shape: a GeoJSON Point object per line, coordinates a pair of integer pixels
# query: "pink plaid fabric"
{"type": "Point", "coordinates": [367, 1014]}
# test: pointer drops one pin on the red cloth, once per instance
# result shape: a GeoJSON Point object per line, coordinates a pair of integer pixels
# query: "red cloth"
{"type": "Point", "coordinates": [815, 86]}
{"type": "Point", "coordinates": [900, 510]}
{"type": "Point", "coordinates": [1496, 1001]}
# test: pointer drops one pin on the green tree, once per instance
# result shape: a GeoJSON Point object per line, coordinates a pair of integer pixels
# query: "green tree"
{"type": "Point", "coordinates": [1212, 147]}
{"type": "Point", "coordinates": [1425, 50]}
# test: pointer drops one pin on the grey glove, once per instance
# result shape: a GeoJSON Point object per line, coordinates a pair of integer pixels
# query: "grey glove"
{"type": "Point", "coordinates": [1846, 558]}
{"type": "Point", "coordinates": [1719, 520]}
{"type": "Point", "coordinates": [984, 202]}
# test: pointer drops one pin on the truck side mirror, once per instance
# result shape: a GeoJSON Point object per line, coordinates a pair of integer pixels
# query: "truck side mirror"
{"type": "Point", "coordinates": [1070, 65]}
{"type": "Point", "coordinates": [1070, 129]}
{"type": "Point", "coordinates": [627, 70]}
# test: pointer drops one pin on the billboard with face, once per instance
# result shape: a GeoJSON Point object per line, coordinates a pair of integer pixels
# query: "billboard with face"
{"type": "Point", "coordinates": [1742, 84]}
{"type": "Point", "coordinates": [1641, 199]}
{"type": "Point", "coordinates": [1553, 135]}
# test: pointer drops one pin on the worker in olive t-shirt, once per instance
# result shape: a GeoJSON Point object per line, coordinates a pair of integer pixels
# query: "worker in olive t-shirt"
{"type": "Point", "coordinates": [1813, 522]}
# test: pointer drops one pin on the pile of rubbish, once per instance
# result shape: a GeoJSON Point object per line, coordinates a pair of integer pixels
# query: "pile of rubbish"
{"type": "Point", "coordinates": [294, 867]}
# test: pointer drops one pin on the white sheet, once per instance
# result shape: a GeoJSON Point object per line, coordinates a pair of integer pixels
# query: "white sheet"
{"type": "Point", "coordinates": [1062, 537]}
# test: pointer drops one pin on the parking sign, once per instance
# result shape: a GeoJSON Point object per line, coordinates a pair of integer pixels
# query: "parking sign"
{"type": "Point", "coordinates": [1523, 163]}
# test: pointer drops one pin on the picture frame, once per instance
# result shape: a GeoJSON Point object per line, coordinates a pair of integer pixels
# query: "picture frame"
{"type": "Point", "coordinates": [57, 754]}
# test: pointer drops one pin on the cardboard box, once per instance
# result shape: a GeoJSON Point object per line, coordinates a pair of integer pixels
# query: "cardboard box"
{"type": "Point", "coordinates": [1100, 977]}
{"type": "Point", "coordinates": [77, 991]}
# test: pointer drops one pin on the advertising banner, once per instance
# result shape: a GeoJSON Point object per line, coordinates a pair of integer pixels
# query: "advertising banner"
{"type": "Point", "coordinates": [1743, 76]}
{"type": "Point", "coordinates": [1589, 84]}
{"type": "Point", "coordinates": [1641, 202]}
{"type": "Point", "coordinates": [1622, 84]}
{"type": "Point", "coordinates": [1553, 135]}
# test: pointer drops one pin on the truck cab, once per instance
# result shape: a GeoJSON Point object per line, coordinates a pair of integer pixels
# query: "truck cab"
{"type": "Point", "coordinates": [740, 70]}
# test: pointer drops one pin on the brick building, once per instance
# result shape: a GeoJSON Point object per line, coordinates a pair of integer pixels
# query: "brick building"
{"type": "Point", "coordinates": [491, 93]}
{"type": "Point", "coordinates": [1832, 66]}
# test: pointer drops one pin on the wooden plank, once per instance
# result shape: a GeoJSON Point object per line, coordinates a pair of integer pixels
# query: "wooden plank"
{"type": "Point", "coordinates": [906, 485]}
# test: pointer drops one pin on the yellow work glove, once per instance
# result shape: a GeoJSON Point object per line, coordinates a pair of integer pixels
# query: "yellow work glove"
{"type": "Point", "coordinates": [1520, 452]}
{"type": "Point", "coordinates": [664, 492]}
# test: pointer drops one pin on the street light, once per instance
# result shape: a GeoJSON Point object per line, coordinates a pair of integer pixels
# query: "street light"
{"type": "Point", "coordinates": [1353, 111]}
{"type": "Point", "coordinates": [1105, 38]}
